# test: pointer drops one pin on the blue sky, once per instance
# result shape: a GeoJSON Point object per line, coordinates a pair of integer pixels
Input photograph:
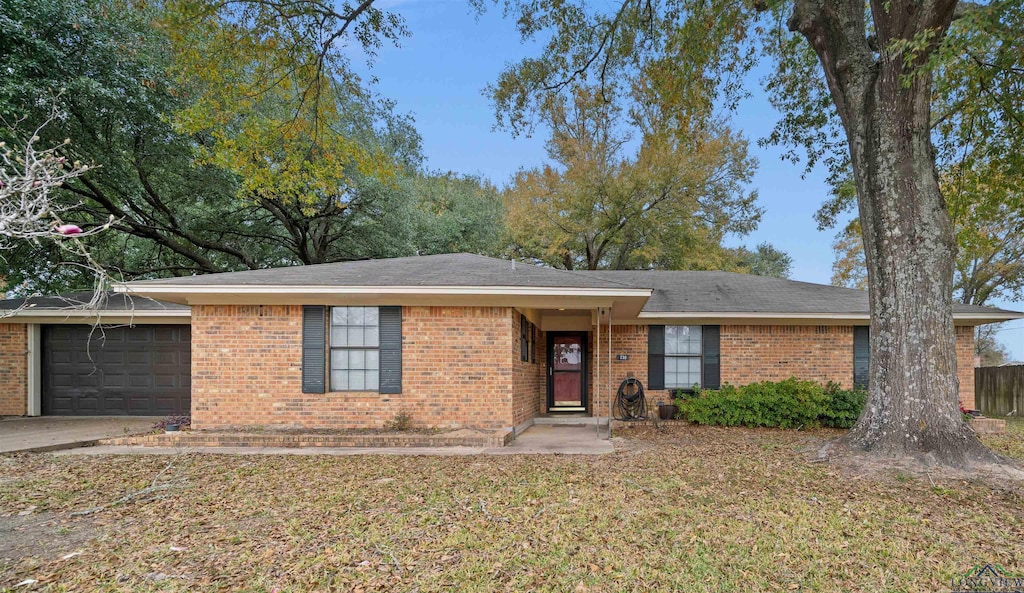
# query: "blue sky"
{"type": "Point", "coordinates": [439, 73]}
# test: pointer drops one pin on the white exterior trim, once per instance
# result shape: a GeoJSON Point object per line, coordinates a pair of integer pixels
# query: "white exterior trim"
{"type": "Point", "coordinates": [92, 313]}
{"type": "Point", "coordinates": [986, 317]}
{"type": "Point", "coordinates": [157, 289]}
{"type": "Point", "coordinates": [34, 371]}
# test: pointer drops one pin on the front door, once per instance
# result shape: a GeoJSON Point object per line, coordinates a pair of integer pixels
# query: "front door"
{"type": "Point", "coordinates": [567, 371]}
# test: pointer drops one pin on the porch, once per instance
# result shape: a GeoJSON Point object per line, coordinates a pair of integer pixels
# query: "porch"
{"type": "Point", "coordinates": [570, 363]}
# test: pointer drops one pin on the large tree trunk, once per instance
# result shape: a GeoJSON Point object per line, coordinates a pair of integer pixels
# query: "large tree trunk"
{"type": "Point", "coordinates": [885, 106]}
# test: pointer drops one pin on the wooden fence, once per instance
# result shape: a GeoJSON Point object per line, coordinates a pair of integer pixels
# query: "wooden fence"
{"type": "Point", "coordinates": [999, 390]}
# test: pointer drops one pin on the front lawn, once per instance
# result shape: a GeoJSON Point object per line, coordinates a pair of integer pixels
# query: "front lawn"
{"type": "Point", "coordinates": [692, 509]}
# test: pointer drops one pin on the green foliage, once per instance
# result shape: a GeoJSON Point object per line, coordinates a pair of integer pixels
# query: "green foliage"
{"type": "Point", "coordinates": [767, 260]}
{"type": "Point", "coordinates": [844, 406]}
{"type": "Point", "coordinates": [181, 208]}
{"type": "Point", "coordinates": [667, 205]}
{"type": "Point", "coordinates": [785, 404]}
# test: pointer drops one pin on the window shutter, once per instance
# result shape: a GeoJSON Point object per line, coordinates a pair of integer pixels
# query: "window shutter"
{"type": "Point", "coordinates": [314, 348]}
{"type": "Point", "coordinates": [390, 350]}
{"type": "Point", "coordinates": [861, 356]}
{"type": "Point", "coordinates": [656, 357]}
{"type": "Point", "coordinates": [711, 357]}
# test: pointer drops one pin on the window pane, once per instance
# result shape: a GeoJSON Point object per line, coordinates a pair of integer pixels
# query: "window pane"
{"type": "Point", "coordinates": [339, 315]}
{"type": "Point", "coordinates": [355, 335]}
{"type": "Point", "coordinates": [370, 315]}
{"type": "Point", "coordinates": [339, 360]}
{"type": "Point", "coordinates": [355, 315]}
{"type": "Point", "coordinates": [682, 371]}
{"type": "Point", "coordinates": [339, 380]}
{"type": "Point", "coordinates": [357, 380]}
{"type": "Point", "coordinates": [356, 359]}
{"type": "Point", "coordinates": [339, 336]}
{"type": "Point", "coordinates": [372, 360]}
{"type": "Point", "coordinates": [371, 336]}
{"type": "Point", "coordinates": [372, 380]}
{"type": "Point", "coordinates": [671, 339]}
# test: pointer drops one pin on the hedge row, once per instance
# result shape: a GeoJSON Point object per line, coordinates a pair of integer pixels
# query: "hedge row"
{"type": "Point", "coordinates": [785, 404]}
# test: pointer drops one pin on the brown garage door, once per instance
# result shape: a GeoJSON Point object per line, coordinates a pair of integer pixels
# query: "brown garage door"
{"type": "Point", "coordinates": [139, 371]}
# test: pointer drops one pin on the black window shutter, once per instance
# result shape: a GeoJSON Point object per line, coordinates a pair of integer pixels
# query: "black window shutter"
{"type": "Point", "coordinates": [656, 357]}
{"type": "Point", "coordinates": [390, 350]}
{"type": "Point", "coordinates": [314, 348]}
{"type": "Point", "coordinates": [861, 356]}
{"type": "Point", "coordinates": [712, 375]}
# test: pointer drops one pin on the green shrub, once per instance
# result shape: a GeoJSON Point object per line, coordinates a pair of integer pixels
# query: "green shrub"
{"type": "Point", "coordinates": [786, 404]}
{"type": "Point", "coordinates": [844, 406]}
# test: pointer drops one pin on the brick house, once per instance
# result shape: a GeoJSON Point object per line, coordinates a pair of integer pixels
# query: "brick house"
{"type": "Point", "coordinates": [449, 340]}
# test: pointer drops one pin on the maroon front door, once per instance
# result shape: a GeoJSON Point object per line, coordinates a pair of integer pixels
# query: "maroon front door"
{"type": "Point", "coordinates": [567, 371]}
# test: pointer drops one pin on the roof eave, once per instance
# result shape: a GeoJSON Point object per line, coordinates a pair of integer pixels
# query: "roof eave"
{"type": "Point", "coordinates": [156, 290]}
{"type": "Point", "coordinates": [963, 318]}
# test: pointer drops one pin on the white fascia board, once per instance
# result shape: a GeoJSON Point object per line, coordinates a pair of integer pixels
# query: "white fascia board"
{"type": "Point", "coordinates": [157, 289]}
{"type": "Point", "coordinates": [92, 313]}
{"type": "Point", "coordinates": [982, 317]}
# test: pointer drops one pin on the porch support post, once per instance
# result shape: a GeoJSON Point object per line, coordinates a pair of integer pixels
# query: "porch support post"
{"type": "Point", "coordinates": [597, 370]}
{"type": "Point", "coordinates": [609, 373]}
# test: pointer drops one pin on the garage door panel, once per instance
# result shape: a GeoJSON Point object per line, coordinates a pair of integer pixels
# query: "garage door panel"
{"type": "Point", "coordinates": [143, 370]}
{"type": "Point", "coordinates": [140, 357]}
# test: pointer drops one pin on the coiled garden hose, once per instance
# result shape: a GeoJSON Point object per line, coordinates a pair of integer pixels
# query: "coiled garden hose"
{"type": "Point", "coordinates": [630, 403]}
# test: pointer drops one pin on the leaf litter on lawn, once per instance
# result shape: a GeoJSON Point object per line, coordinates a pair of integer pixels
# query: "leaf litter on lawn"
{"type": "Point", "coordinates": [687, 509]}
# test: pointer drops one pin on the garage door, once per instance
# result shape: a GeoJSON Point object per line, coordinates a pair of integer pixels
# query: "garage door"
{"type": "Point", "coordinates": [139, 371]}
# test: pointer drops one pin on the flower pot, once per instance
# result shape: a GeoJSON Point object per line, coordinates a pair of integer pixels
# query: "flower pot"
{"type": "Point", "coordinates": [172, 427]}
{"type": "Point", "coordinates": [667, 411]}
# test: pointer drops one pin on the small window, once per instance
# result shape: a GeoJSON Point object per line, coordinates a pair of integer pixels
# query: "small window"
{"type": "Point", "coordinates": [527, 340]}
{"type": "Point", "coordinates": [682, 356]}
{"type": "Point", "coordinates": [355, 349]}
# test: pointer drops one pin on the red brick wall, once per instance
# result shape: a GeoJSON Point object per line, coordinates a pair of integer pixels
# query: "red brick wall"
{"type": "Point", "coordinates": [246, 371]}
{"type": "Point", "coordinates": [461, 368]}
{"type": "Point", "coordinates": [529, 382]}
{"type": "Point", "coordinates": [965, 365]}
{"type": "Point", "coordinates": [752, 353]}
{"type": "Point", "coordinates": [13, 369]}
{"type": "Point", "coordinates": [630, 340]}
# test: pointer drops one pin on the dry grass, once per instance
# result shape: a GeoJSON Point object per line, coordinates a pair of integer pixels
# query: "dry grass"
{"type": "Point", "coordinates": [693, 509]}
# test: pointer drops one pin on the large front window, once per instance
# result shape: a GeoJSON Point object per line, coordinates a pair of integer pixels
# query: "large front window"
{"type": "Point", "coordinates": [682, 356]}
{"type": "Point", "coordinates": [355, 349]}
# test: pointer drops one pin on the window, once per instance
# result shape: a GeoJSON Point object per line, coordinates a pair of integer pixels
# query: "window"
{"type": "Point", "coordinates": [527, 340]}
{"type": "Point", "coordinates": [355, 349]}
{"type": "Point", "coordinates": [682, 356]}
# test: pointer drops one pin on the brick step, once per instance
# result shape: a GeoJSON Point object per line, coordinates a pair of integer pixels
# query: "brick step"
{"type": "Point", "coordinates": [984, 425]}
{"type": "Point", "coordinates": [200, 438]}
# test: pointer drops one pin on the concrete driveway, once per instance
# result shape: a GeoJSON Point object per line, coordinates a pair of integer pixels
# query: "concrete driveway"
{"type": "Point", "coordinates": [50, 433]}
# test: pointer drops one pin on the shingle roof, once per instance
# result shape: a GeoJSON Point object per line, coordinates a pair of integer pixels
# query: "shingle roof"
{"type": "Point", "coordinates": [673, 291]}
{"type": "Point", "coordinates": [727, 292]}
{"type": "Point", "coordinates": [111, 301]}
{"type": "Point", "coordinates": [454, 269]}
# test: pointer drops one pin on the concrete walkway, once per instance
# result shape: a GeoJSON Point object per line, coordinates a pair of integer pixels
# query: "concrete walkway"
{"type": "Point", "coordinates": [536, 440]}
{"type": "Point", "coordinates": [50, 433]}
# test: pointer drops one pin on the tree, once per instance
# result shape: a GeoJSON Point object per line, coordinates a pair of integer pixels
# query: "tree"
{"type": "Point", "coordinates": [177, 208]}
{"type": "Point", "coordinates": [28, 214]}
{"type": "Point", "coordinates": [988, 222]}
{"type": "Point", "coordinates": [876, 67]}
{"type": "Point", "coordinates": [765, 261]}
{"type": "Point", "coordinates": [667, 205]}
{"type": "Point", "coordinates": [987, 348]}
